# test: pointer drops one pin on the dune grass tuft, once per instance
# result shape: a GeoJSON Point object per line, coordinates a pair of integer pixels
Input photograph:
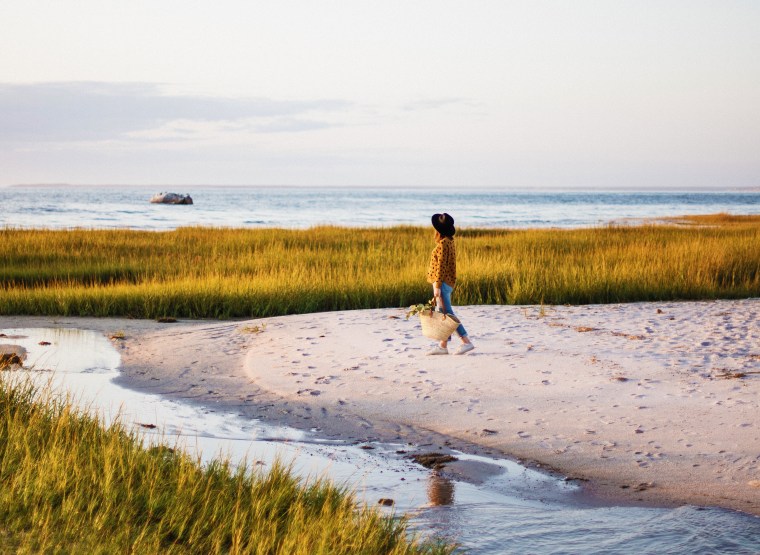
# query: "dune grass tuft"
{"type": "Point", "coordinates": [225, 273]}
{"type": "Point", "coordinates": [72, 485]}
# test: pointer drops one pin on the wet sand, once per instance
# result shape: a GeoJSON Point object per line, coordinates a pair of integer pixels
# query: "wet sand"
{"type": "Point", "coordinates": [653, 403]}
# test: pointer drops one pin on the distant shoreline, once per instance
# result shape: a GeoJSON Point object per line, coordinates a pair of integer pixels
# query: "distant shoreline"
{"type": "Point", "coordinates": [580, 190]}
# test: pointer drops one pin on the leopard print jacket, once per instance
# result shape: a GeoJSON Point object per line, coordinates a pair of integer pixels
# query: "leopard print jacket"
{"type": "Point", "coordinates": [443, 263]}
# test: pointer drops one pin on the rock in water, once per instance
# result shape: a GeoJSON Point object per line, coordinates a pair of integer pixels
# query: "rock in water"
{"type": "Point", "coordinates": [171, 198]}
{"type": "Point", "coordinates": [11, 357]}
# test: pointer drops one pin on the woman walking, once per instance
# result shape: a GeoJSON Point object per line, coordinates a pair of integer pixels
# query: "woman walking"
{"type": "Point", "coordinates": [442, 273]}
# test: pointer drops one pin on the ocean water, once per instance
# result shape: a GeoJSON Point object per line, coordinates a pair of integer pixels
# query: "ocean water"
{"type": "Point", "coordinates": [302, 207]}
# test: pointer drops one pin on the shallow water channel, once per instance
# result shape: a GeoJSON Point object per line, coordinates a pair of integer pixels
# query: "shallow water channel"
{"type": "Point", "coordinates": [501, 508]}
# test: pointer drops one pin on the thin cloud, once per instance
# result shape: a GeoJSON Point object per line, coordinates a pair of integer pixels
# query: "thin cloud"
{"type": "Point", "coordinates": [292, 125]}
{"type": "Point", "coordinates": [437, 103]}
{"type": "Point", "coordinates": [92, 111]}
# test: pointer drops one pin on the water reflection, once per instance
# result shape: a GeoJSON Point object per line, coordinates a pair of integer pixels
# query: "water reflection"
{"type": "Point", "coordinates": [440, 490]}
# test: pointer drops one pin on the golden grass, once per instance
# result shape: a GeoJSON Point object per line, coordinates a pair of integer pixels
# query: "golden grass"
{"type": "Point", "coordinates": [717, 219]}
{"type": "Point", "coordinates": [71, 485]}
{"type": "Point", "coordinates": [223, 273]}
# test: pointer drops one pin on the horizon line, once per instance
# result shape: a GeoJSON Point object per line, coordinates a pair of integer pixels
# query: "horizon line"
{"type": "Point", "coordinates": [514, 188]}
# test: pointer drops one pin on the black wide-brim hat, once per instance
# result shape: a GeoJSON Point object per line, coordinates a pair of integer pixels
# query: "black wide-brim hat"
{"type": "Point", "coordinates": [444, 224]}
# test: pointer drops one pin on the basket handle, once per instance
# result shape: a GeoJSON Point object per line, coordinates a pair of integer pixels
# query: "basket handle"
{"type": "Point", "coordinates": [434, 300]}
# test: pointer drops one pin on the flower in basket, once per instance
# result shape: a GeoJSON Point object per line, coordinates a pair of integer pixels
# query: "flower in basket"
{"type": "Point", "coordinates": [417, 308]}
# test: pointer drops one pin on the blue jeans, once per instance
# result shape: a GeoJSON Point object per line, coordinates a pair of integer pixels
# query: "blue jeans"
{"type": "Point", "coordinates": [446, 290]}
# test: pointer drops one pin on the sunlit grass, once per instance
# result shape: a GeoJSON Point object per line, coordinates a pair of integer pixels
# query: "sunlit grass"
{"type": "Point", "coordinates": [223, 273]}
{"type": "Point", "coordinates": [72, 485]}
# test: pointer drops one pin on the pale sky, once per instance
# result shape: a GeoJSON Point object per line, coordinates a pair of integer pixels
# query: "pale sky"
{"type": "Point", "coordinates": [526, 94]}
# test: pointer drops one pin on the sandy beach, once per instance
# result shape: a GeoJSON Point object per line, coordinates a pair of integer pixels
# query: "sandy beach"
{"type": "Point", "coordinates": [653, 403]}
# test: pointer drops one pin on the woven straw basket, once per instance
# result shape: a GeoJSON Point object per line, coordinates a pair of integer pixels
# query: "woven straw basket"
{"type": "Point", "coordinates": [437, 325]}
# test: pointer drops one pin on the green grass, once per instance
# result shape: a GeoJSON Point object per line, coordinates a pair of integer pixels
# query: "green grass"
{"type": "Point", "coordinates": [72, 485]}
{"type": "Point", "coordinates": [224, 273]}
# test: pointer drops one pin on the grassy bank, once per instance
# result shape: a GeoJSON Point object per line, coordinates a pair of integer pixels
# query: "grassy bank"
{"type": "Point", "coordinates": [70, 485]}
{"type": "Point", "coordinates": [221, 273]}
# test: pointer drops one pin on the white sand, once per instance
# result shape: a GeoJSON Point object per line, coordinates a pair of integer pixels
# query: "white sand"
{"type": "Point", "coordinates": [653, 402]}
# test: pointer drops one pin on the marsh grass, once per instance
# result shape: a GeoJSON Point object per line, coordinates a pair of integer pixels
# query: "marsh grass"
{"type": "Point", "coordinates": [223, 273]}
{"type": "Point", "coordinates": [72, 485]}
